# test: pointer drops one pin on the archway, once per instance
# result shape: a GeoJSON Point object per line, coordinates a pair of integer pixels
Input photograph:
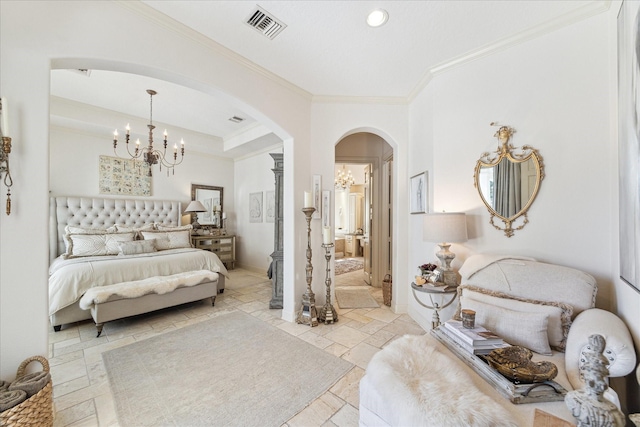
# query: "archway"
{"type": "Point", "coordinates": [375, 156]}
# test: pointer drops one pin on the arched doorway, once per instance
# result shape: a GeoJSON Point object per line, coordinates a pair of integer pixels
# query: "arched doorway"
{"type": "Point", "coordinates": [370, 232]}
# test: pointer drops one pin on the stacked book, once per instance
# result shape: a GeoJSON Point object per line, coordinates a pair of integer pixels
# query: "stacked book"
{"type": "Point", "coordinates": [477, 340]}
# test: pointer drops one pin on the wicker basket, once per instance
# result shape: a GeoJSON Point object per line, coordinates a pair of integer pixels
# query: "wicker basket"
{"type": "Point", "coordinates": [386, 289]}
{"type": "Point", "coordinates": [36, 410]}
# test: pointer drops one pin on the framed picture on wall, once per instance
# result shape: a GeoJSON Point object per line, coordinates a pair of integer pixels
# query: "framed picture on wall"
{"type": "Point", "coordinates": [255, 207]}
{"type": "Point", "coordinates": [270, 206]}
{"type": "Point", "coordinates": [326, 206]}
{"type": "Point", "coordinates": [418, 195]}
{"type": "Point", "coordinates": [317, 196]}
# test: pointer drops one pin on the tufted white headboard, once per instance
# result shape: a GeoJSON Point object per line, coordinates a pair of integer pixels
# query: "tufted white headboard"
{"type": "Point", "coordinates": [103, 213]}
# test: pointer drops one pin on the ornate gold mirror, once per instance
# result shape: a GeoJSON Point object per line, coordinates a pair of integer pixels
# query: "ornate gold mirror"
{"type": "Point", "coordinates": [508, 181]}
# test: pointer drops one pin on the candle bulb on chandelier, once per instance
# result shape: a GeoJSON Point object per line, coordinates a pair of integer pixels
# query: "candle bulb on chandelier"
{"type": "Point", "coordinates": [175, 148]}
{"type": "Point", "coordinates": [128, 129]}
{"type": "Point", "coordinates": [115, 135]}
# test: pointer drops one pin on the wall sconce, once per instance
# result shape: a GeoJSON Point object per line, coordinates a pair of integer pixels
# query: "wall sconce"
{"type": "Point", "coordinates": [5, 150]}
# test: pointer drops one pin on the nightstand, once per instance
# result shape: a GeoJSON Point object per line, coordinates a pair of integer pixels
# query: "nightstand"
{"type": "Point", "coordinates": [223, 246]}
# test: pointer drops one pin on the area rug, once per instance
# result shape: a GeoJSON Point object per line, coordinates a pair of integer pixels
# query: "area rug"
{"type": "Point", "coordinates": [233, 370]}
{"type": "Point", "coordinates": [355, 298]}
{"type": "Point", "coordinates": [347, 265]}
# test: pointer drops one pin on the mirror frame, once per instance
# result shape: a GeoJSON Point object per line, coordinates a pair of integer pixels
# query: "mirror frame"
{"type": "Point", "coordinates": [194, 191]}
{"type": "Point", "coordinates": [515, 155]}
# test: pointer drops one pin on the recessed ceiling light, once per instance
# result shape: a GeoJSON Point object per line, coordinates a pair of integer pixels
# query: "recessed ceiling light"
{"type": "Point", "coordinates": [377, 18]}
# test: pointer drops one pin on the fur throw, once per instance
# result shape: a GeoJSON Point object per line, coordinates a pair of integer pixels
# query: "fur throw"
{"type": "Point", "coordinates": [428, 389]}
{"type": "Point", "coordinates": [158, 285]}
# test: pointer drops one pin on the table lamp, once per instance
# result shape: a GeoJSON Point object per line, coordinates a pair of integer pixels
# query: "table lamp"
{"type": "Point", "coordinates": [194, 207]}
{"type": "Point", "coordinates": [445, 228]}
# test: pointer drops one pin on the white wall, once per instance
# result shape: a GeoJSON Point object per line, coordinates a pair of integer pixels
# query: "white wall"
{"type": "Point", "coordinates": [36, 36]}
{"type": "Point", "coordinates": [554, 92]}
{"type": "Point", "coordinates": [75, 154]}
{"type": "Point", "coordinates": [331, 122]}
{"type": "Point", "coordinates": [558, 92]}
{"type": "Point", "coordinates": [254, 243]}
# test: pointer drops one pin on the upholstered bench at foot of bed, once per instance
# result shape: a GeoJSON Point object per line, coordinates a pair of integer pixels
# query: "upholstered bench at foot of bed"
{"type": "Point", "coordinates": [117, 307]}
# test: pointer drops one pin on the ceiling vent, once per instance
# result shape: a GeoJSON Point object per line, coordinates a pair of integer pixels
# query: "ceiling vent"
{"type": "Point", "coordinates": [265, 23]}
{"type": "Point", "coordinates": [236, 119]}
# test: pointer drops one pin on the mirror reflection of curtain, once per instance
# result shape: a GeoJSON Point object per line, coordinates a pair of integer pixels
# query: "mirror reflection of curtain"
{"type": "Point", "coordinates": [508, 193]}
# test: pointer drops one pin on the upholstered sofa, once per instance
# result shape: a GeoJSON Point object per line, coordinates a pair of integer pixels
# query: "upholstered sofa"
{"type": "Point", "coordinates": [416, 380]}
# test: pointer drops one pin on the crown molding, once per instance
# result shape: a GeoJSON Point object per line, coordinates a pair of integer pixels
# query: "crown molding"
{"type": "Point", "coordinates": [577, 15]}
{"type": "Point", "coordinates": [562, 21]}
{"type": "Point", "coordinates": [339, 99]}
{"type": "Point", "coordinates": [259, 152]}
{"type": "Point", "coordinates": [171, 24]}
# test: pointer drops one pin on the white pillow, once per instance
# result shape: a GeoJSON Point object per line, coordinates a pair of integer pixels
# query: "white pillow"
{"type": "Point", "coordinates": [137, 230]}
{"type": "Point", "coordinates": [97, 244]}
{"type": "Point", "coordinates": [75, 229]}
{"type": "Point", "coordinates": [515, 327]}
{"type": "Point", "coordinates": [137, 247]}
{"type": "Point", "coordinates": [169, 239]}
{"type": "Point", "coordinates": [173, 228]}
{"type": "Point", "coordinates": [559, 313]}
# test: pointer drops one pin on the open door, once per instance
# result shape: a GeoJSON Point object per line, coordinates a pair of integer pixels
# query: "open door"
{"type": "Point", "coordinates": [368, 217]}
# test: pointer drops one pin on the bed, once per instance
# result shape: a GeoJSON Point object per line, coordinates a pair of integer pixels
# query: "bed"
{"type": "Point", "coordinates": [123, 257]}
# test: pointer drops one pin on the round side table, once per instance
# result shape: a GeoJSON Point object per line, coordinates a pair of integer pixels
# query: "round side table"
{"type": "Point", "coordinates": [446, 292]}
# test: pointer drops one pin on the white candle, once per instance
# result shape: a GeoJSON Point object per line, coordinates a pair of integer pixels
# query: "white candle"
{"type": "Point", "coordinates": [308, 199]}
{"type": "Point", "coordinates": [5, 117]}
{"type": "Point", "coordinates": [326, 235]}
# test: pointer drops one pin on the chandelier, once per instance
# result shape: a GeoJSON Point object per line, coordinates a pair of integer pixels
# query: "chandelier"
{"type": "Point", "coordinates": [150, 155]}
{"type": "Point", "coordinates": [344, 179]}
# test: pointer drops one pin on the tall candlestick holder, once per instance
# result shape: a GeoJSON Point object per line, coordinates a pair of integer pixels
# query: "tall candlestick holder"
{"type": "Point", "coordinates": [308, 314]}
{"type": "Point", "coordinates": [328, 314]}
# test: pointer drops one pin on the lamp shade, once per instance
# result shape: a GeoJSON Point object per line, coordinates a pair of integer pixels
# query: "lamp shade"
{"type": "Point", "coordinates": [195, 206]}
{"type": "Point", "coordinates": [448, 227]}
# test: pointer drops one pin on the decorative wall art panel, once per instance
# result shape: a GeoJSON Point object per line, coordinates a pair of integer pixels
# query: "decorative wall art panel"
{"type": "Point", "coordinates": [270, 206]}
{"type": "Point", "coordinates": [317, 196]}
{"type": "Point", "coordinates": [629, 140]}
{"type": "Point", "coordinates": [123, 176]}
{"type": "Point", "coordinates": [255, 207]}
{"type": "Point", "coordinates": [326, 208]}
{"type": "Point", "coordinates": [418, 196]}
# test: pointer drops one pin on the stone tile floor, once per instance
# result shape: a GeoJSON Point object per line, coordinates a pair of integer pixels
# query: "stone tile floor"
{"type": "Point", "coordinates": [82, 396]}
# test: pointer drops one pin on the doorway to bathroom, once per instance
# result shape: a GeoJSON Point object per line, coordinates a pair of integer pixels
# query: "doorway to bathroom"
{"type": "Point", "coordinates": [363, 210]}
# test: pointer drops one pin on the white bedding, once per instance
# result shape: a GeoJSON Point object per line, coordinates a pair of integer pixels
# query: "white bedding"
{"type": "Point", "coordinates": [70, 279]}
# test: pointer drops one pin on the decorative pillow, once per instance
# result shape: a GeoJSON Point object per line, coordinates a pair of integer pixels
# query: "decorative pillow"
{"type": "Point", "coordinates": [169, 239]}
{"type": "Point", "coordinates": [559, 313]}
{"type": "Point", "coordinates": [137, 247]}
{"type": "Point", "coordinates": [75, 229]}
{"type": "Point", "coordinates": [515, 327]}
{"type": "Point", "coordinates": [137, 230]}
{"type": "Point", "coordinates": [161, 227]}
{"type": "Point", "coordinates": [97, 244]}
